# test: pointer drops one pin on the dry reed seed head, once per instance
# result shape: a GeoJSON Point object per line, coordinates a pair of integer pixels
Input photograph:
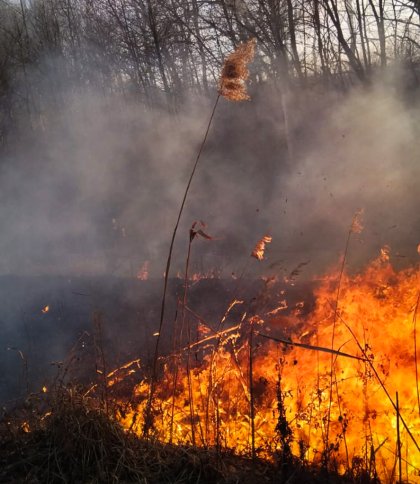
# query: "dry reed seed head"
{"type": "Point", "coordinates": [235, 72]}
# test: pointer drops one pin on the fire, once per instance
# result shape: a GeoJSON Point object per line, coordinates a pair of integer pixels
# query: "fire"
{"type": "Point", "coordinates": [205, 396]}
{"type": "Point", "coordinates": [45, 309]}
{"type": "Point", "coordinates": [121, 373]}
{"type": "Point", "coordinates": [259, 249]}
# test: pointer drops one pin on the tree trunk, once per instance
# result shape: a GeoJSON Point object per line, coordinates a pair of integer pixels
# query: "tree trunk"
{"type": "Point", "coordinates": [292, 32]}
{"type": "Point", "coordinates": [332, 11]}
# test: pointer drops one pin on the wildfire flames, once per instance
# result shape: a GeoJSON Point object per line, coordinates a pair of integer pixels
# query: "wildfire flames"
{"type": "Point", "coordinates": [259, 249]}
{"type": "Point", "coordinates": [240, 391]}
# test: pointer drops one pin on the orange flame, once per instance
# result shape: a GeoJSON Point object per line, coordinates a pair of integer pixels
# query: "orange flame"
{"type": "Point", "coordinates": [259, 249]}
{"type": "Point", "coordinates": [374, 334]}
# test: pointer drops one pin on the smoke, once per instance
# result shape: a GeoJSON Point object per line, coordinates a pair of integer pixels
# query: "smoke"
{"type": "Point", "coordinates": [97, 192]}
{"type": "Point", "coordinates": [362, 154]}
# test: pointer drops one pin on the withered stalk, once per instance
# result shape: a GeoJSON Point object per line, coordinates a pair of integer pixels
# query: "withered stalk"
{"type": "Point", "coordinates": [176, 356]}
{"type": "Point", "coordinates": [333, 360]}
{"type": "Point", "coordinates": [251, 390]}
{"type": "Point", "coordinates": [398, 439]}
{"type": "Point", "coordinates": [101, 367]}
{"type": "Point", "coordinates": [148, 412]}
{"type": "Point", "coordinates": [416, 307]}
{"type": "Point", "coordinates": [355, 227]}
{"type": "Point", "coordinates": [184, 304]}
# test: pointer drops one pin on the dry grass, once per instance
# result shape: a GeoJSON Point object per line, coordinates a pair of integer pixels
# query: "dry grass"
{"type": "Point", "coordinates": [69, 439]}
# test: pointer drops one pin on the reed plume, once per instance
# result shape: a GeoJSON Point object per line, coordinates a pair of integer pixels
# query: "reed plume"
{"type": "Point", "coordinates": [235, 72]}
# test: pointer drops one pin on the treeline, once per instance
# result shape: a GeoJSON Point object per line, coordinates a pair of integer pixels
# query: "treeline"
{"type": "Point", "coordinates": [160, 51]}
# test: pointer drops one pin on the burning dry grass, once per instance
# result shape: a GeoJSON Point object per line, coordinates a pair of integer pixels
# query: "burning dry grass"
{"type": "Point", "coordinates": [275, 398]}
{"type": "Point", "coordinates": [243, 403]}
{"type": "Point", "coordinates": [74, 441]}
{"type": "Point", "coordinates": [242, 391]}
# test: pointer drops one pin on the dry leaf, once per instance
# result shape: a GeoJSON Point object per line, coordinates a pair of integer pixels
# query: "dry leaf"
{"type": "Point", "coordinates": [194, 231]}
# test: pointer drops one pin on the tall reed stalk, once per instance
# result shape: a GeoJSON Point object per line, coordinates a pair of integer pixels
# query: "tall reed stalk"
{"type": "Point", "coordinates": [100, 362]}
{"type": "Point", "coordinates": [232, 86]}
{"type": "Point", "coordinates": [176, 362]}
{"type": "Point", "coordinates": [251, 389]}
{"type": "Point", "coordinates": [398, 439]}
{"type": "Point", "coordinates": [355, 227]}
{"type": "Point", "coordinates": [153, 378]}
{"type": "Point", "coordinates": [416, 308]}
{"type": "Point", "coordinates": [184, 304]}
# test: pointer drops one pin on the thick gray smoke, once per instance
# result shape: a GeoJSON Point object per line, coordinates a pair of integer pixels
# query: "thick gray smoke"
{"type": "Point", "coordinates": [98, 192]}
